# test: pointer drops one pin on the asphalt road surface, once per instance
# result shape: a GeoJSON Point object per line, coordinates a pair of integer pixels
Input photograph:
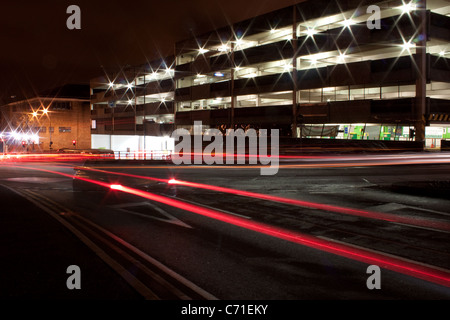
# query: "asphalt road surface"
{"type": "Point", "coordinates": [321, 228]}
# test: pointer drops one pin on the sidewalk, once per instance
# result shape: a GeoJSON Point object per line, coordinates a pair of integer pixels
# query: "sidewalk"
{"type": "Point", "coordinates": [35, 252]}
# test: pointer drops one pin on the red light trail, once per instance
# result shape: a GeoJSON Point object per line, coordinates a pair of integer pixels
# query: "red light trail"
{"type": "Point", "coordinates": [391, 263]}
{"type": "Point", "coordinates": [417, 270]}
{"type": "Point", "coordinates": [55, 157]}
{"type": "Point", "coordinates": [439, 225]}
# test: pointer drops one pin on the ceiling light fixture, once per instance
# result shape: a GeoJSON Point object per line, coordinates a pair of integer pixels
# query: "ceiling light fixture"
{"type": "Point", "coordinates": [342, 57]}
{"type": "Point", "coordinates": [310, 32]}
{"type": "Point", "coordinates": [223, 48]}
{"type": "Point", "coordinates": [348, 22]}
{"type": "Point", "coordinates": [407, 7]}
{"type": "Point", "coordinates": [287, 67]}
{"type": "Point", "coordinates": [408, 46]}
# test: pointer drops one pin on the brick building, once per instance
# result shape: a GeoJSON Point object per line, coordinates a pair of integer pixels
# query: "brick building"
{"type": "Point", "coordinates": [54, 119]}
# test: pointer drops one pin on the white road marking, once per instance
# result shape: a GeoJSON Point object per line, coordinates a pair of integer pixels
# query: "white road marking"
{"type": "Point", "coordinates": [392, 206]}
{"type": "Point", "coordinates": [128, 207]}
{"type": "Point", "coordinates": [41, 180]}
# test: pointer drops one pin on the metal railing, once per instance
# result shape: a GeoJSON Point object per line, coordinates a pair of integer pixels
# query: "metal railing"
{"type": "Point", "coordinates": [143, 155]}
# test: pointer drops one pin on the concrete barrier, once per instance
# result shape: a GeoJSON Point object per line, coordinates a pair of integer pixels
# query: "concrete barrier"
{"type": "Point", "coordinates": [348, 146]}
{"type": "Point", "coordinates": [445, 145]}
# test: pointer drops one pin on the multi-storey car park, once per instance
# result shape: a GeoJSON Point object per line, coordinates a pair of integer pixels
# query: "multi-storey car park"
{"type": "Point", "coordinates": [133, 109]}
{"type": "Point", "coordinates": [318, 69]}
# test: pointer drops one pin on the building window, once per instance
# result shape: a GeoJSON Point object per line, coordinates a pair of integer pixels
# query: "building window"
{"type": "Point", "coordinates": [65, 129]}
{"type": "Point", "coordinates": [61, 106]}
{"type": "Point", "coordinates": [51, 129]}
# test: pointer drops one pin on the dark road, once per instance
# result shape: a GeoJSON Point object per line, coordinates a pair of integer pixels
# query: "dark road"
{"type": "Point", "coordinates": [204, 232]}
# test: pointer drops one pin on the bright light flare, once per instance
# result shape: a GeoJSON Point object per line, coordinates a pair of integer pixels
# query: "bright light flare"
{"type": "Point", "coordinates": [35, 138]}
{"type": "Point", "coordinates": [224, 48]}
{"type": "Point", "coordinates": [15, 135]}
{"type": "Point", "coordinates": [239, 42]}
{"type": "Point", "coordinates": [287, 67]}
{"type": "Point", "coordinates": [407, 46]}
{"type": "Point", "coordinates": [116, 187]}
{"type": "Point", "coordinates": [348, 22]}
{"type": "Point", "coordinates": [310, 32]}
{"type": "Point", "coordinates": [313, 60]}
{"type": "Point", "coordinates": [407, 7]}
{"type": "Point", "coordinates": [342, 57]}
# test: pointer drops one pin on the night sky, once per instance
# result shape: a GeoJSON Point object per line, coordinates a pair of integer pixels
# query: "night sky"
{"type": "Point", "coordinates": [38, 52]}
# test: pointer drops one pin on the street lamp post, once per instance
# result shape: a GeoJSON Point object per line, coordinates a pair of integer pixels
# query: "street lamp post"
{"type": "Point", "coordinates": [46, 112]}
{"type": "Point", "coordinates": [30, 128]}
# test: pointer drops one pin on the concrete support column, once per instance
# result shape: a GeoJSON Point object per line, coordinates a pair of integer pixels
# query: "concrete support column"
{"type": "Point", "coordinates": [294, 72]}
{"type": "Point", "coordinates": [233, 98]}
{"type": "Point", "coordinates": [421, 80]}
